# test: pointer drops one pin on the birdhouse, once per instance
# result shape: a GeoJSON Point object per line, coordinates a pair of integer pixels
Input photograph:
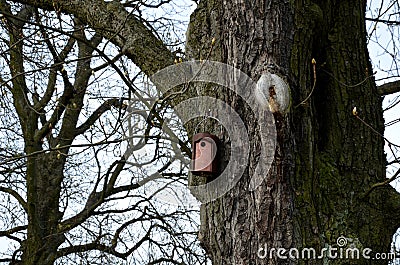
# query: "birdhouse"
{"type": "Point", "coordinates": [204, 155]}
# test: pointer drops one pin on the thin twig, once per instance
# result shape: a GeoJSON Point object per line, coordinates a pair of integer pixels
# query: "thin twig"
{"type": "Point", "coordinates": [380, 184]}
{"type": "Point", "coordinates": [314, 63]}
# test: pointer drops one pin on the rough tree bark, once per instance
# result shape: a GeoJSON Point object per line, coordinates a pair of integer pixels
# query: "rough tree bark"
{"type": "Point", "coordinates": [326, 160]}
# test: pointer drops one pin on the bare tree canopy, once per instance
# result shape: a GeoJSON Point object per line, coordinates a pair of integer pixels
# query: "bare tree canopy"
{"type": "Point", "coordinates": [78, 151]}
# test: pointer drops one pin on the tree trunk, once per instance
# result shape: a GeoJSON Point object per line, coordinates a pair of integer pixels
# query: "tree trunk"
{"type": "Point", "coordinates": [317, 190]}
{"type": "Point", "coordinates": [44, 176]}
{"type": "Point", "coordinates": [45, 170]}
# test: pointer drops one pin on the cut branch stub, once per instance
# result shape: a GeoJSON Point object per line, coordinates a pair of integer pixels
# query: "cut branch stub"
{"type": "Point", "coordinates": [273, 92]}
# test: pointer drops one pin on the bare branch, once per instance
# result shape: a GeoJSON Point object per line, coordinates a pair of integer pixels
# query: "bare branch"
{"type": "Point", "coordinates": [58, 59]}
{"type": "Point", "coordinates": [16, 65]}
{"type": "Point", "coordinates": [107, 249]}
{"type": "Point", "coordinates": [389, 88]}
{"type": "Point", "coordinates": [136, 4]}
{"type": "Point", "coordinates": [9, 233]}
{"type": "Point", "coordinates": [388, 22]}
{"type": "Point", "coordinates": [106, 106]}
{"type": "Point", "coordinates": [64, 100]}
{"type": "Point", "coordinates": [120, 27]}
{"type": "Point", "coordinates": [15, 195]}
{"type": "Point", "coordinates": [380, 184]}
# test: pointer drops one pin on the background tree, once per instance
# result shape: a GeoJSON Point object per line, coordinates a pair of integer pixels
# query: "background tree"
{"type": "Point", "coordinates": [328, 178]}
{"type": "Point", "coordinates": [77, 156]}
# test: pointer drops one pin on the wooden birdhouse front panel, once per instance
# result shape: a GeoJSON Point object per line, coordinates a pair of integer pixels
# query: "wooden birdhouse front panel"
{"type": "Point", "coordinates": [205, 147]}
